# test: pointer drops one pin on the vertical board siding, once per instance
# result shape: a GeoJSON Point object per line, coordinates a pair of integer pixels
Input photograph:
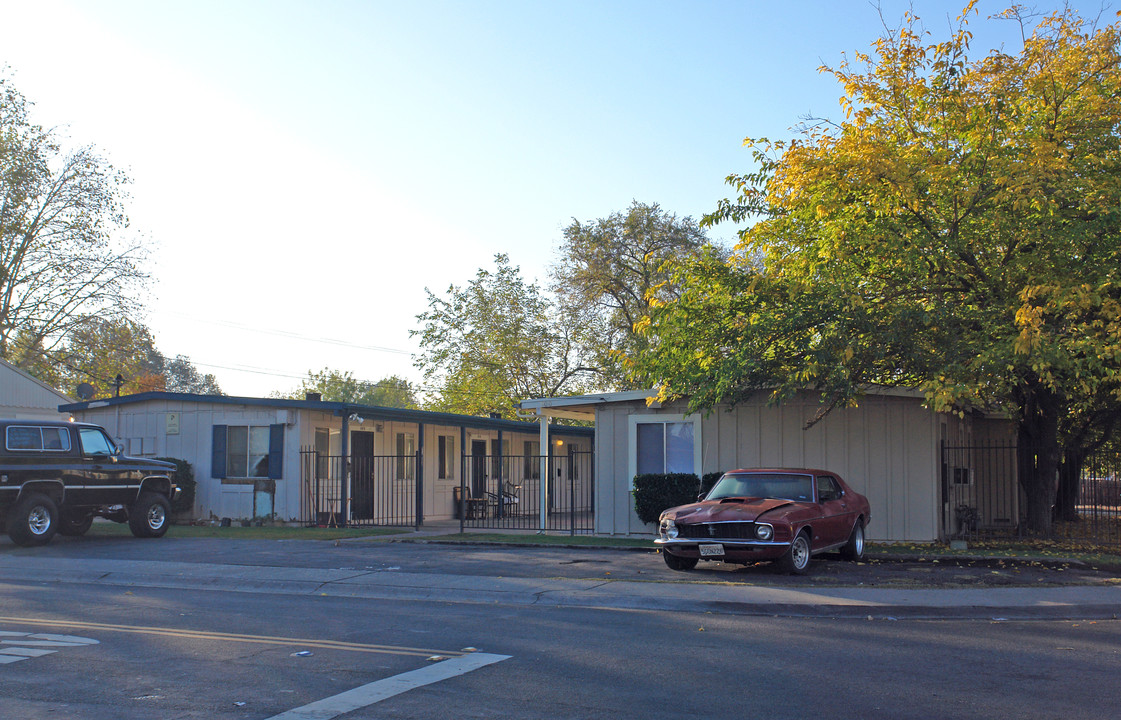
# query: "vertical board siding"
{"type": "Point", "coordinates": [886, 448]}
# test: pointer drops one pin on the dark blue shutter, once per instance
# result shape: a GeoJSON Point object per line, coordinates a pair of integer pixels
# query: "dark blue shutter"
{"type": "Point", "coordinates": [218, 453]}
{"type": "Point", "coordinates": [276, 452]}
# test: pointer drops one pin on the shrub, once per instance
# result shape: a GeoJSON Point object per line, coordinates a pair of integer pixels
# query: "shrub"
{"type": "Point", "coordinates": [708, 480]}
{"type": "Point", "coordinates": [655, 492]}
{"type": "Point", "coordinates": [184, 477]}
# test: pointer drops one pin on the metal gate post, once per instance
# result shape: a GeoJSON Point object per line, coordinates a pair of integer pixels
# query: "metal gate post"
{"type": "Point", "coordinates": [462, 476]}
{"type": "Point", "coordinates": [419, 519]}
{"type": "Point", "coordinates": [571, 492]}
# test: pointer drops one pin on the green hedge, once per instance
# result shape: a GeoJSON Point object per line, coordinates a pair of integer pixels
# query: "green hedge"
{"type": "Point", "coordinates": [655, 492]}
{"type": "Point", "coordinates": [184, 477]}
{"type": "Point", "coordinates": [709, 480]}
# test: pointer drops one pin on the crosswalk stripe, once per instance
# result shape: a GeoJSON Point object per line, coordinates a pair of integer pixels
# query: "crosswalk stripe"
{"type": "Point", "coordinates": [25, 652]}
{"type": "Point", "coordinates": [375, 692]}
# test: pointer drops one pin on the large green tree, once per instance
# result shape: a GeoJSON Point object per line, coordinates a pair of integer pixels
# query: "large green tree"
{"type": "Point", "coordinates": [63, 252]}
{"type": "Point", "coordinates": [941, 235]}
{"type": "Point", "coordinates": [341, 386]}
{"type": "Point", "coordinates": [97, 350]}
{"type": "Point", "coordinates": [610, 268]}
{"type": "Point", "coordinates": [497, 341]}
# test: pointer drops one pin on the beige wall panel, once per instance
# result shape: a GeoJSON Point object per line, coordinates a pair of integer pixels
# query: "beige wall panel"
{"type": "Point", "coordinates": [886, 448]}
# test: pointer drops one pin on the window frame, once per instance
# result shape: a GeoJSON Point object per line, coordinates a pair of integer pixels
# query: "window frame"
{"type": "Point", "coordinates": [633, 421]}
{"type": "Point", "coordinates": [445, 457]}
{"type": "Point", "coordinates": [263, 430]}
{"type": "Point", "coordinates": [406, 459]}
{"type": "Point", "coordinates": [63, 432]}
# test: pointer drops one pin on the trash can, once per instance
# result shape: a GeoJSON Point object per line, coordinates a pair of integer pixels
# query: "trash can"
{"type": "Point", "coordinates": [457, 497]}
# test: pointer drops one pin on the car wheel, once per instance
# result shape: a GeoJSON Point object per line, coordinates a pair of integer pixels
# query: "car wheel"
{"type": "Point", "coordinates": [854, 548]}
{"type": "Point", "coordinates": [674, 562]}
{"type": "Point", "coordinates": [797, 557]}
{"type": "Point", "coordinates": [33, 520]}
{"type": "Point", "coordinates": [148, 516]}
{"type": "Point", "coordinates": [73, 525]}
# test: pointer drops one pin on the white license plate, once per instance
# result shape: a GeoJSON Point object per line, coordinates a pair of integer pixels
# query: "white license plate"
{"type": "Point", "coordinates": [711, 550]}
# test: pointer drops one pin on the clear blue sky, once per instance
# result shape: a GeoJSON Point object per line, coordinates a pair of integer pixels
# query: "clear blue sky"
{"type": "Point", "coordinates": [303, 170]}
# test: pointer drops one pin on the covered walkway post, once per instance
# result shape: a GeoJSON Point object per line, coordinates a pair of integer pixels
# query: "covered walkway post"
{"type": "Point", "coordinates": [543, 421]}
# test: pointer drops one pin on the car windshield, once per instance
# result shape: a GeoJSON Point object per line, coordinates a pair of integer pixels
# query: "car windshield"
{"type": "Point", "coordinates": [787, 486]}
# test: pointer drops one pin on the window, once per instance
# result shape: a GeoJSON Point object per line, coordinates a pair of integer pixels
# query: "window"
{"type": "Point", "coordinates": [20, 437]}
{"type": "Point", "coordinates": [94, 442]}
{"type": "Point", "coordinates": [446, 450]}
{"type": "Point", "coordinates": [406, 456]}
{"type": "Point", "coordinates": [532, 459]}
{"type": "Point", "coordinates": [322, 451]}
{"type": "Point", "coordinates": [664, 447]}
{"type": "Point", "coordinates": [247, 452]}
{"type": "Point", "coordinates": [827, 489]}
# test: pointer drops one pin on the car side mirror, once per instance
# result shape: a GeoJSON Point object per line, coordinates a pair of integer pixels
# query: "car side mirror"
{"type": "Point", "coordinates": [701, 496]}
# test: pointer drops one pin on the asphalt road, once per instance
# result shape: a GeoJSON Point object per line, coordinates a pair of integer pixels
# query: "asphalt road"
{"type": "Point", "coordinates": [147, 652]}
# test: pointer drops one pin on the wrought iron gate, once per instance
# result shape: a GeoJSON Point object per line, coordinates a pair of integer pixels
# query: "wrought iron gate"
{"type": "Point", "coordinates": [361, 490]}
{"type": "Point", "coordinates": [505, 492]}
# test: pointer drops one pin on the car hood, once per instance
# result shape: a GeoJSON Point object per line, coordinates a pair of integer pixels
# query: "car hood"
{"type": "Point", "coordinates": [727, 510]}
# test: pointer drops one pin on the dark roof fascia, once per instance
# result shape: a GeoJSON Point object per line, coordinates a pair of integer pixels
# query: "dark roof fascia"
{"type": "Point", "coordinates": [369, 412]}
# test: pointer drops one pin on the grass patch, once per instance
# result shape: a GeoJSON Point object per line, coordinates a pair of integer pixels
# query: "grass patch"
{"type": "Point", "coordinates": [112, 529]}
{"type": "Point", "coordinates": [535, 539]}
{"type": "Point", "coordinates": [1041, 550]}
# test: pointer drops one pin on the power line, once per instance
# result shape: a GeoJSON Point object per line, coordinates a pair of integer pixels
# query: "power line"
{"type": "Point", "coordinates": [285, 333]}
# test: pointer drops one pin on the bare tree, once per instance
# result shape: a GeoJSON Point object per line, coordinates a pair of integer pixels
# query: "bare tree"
{"type": "Point", "coordinates": [63, 255]}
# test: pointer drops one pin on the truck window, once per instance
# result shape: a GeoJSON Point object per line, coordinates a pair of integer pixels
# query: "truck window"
{"type": "Point", "coordinates": [94, 441]}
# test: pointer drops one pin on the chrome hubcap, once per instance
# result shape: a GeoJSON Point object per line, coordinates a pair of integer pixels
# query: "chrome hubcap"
{"type": "Point", "coordinates": [39, 520]}
{"type": "Point", "coordinates": [801, 552]}
{"type": "Point", "coordinates": [156, 517]}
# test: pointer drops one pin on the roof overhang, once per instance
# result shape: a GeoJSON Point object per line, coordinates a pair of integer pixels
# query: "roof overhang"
{"type": "Point", "coordinates": [579, 407]}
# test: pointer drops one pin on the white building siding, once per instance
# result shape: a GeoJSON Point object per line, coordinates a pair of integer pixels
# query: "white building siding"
{"type": "Point", "coordinates": [22, 396]}
{"type": "Point", "coordinates": [193, 443]}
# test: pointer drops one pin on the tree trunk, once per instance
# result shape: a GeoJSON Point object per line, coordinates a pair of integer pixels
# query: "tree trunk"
{"type": "Point", "coordinates": [1038, 456]}
{"type": "Point", "coordinates": [1070, 475]}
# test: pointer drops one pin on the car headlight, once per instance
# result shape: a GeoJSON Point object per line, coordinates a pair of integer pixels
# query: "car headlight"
{"type": "Point", "coordinates": [764, 532]}
{"type": "Point", "coordinates": [668, 529]}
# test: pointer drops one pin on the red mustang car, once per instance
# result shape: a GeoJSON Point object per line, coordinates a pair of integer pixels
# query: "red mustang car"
{"type": "Point", "coordinates": [786, 515]}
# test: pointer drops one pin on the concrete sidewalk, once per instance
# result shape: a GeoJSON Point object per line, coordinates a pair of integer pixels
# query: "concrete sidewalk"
{"type": "Point", "coordinates": [1075, 602]}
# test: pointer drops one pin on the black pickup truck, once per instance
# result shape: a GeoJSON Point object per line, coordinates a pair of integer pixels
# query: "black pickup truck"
{"type": "Point", "coordinates": [57, 476]}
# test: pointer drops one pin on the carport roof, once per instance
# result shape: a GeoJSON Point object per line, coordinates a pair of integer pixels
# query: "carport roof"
{"type": "Point", "coordinates": [580, 407]}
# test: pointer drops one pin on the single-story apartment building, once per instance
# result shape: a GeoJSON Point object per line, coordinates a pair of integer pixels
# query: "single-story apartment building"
{"type": "Point", "coordinates": [323, 462]}
{"type": "Point", "coordinates": [23, 396]}
{"type": "Point", "coordinates": [922, 471]}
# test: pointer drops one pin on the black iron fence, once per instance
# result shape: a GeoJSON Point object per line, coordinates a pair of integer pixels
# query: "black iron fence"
{"type": "Point", "coordinates": [1098, 503]}
{"type": "Point", "coordinates": [981, 496]}
{"type": "Point", "coordinates": [979, 490]}
{"type": "Point", "coordinates": [377, 490]}
{"type": "Point", "coordinates": [506, 492]}
{"type": "Point", "coordinates": [498, 492]}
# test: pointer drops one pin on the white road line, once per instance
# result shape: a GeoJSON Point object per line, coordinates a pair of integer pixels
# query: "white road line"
{"type": "Point", "coordinates": [25, 652]}
{"type": "Point", "coordinates": [375, 692]}
{"type": "Point", "coordinates": [16, 646]}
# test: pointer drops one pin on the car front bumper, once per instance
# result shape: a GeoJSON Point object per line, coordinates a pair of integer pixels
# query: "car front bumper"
{"type": "Point", "coordinates": [736, 549]}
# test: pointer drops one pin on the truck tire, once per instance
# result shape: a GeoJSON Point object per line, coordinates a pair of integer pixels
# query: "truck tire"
{"type": "Point", "coordinates": [149, 515]}
{"type": "Point", "coordinates": [33, 520]}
